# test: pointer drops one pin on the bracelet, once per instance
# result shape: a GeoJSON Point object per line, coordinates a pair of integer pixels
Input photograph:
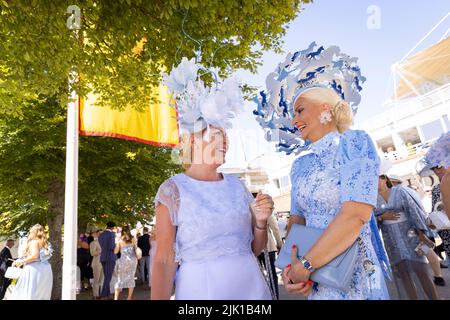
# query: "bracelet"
{"type": "Point", "coordinates": [259, 228]}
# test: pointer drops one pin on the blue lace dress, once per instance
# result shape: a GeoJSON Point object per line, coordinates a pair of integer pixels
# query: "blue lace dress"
{"type": "Point", "coordinates": [36, 280]}
{"type": "Point", "coordinates": [213, 239]}
{"type": "Point", "coordinates": [399, 235]}
{"type": "Point", "coordinates": [340, 168]}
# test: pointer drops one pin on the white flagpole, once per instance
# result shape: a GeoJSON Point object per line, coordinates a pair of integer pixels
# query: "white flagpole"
{"type": "Point", "coordinates": [71, 188]}
{"type": "Point", "coordinates": [71, 199]}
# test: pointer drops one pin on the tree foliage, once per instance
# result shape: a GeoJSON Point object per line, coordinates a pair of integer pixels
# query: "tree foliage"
{"type": "Point", "coordinates": [119, 54]}
{"type": "Point", "coordinates": [117, 178]}
{"type": "Point", "coordinates": [123, 45]}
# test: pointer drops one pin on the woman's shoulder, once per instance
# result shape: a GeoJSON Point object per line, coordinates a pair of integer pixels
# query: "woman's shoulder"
{"type": "Point", "coordinates": [171, 180]}
{"type": "Point", "coordinates": [398, 191]}
{"type": "Point", "coordinates": [355, 139]}
{"type": "Point", "coordinates": [170, 185]}
{"type": "Point", "coordinates": [356, 144]}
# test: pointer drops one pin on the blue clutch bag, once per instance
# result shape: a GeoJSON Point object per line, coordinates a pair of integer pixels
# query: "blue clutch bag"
{"type": "Point", "coordinates": [336, 274]}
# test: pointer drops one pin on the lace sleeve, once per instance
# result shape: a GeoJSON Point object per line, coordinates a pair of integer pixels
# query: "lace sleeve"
{"type": "Point", "coordinates": [169, 196]}
{"type": "Point", "coordinates": [359, 168]}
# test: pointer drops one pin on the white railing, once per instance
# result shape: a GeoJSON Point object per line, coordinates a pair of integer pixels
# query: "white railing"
{"type": "Point", "coordinates": [406, 108]}
{"type": "Point", "coordinates": [408, 152]}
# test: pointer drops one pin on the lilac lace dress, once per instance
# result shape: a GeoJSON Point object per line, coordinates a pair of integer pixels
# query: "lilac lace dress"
{"type": "Point", "coordinates": [213, 239]}
{"type": "Point", "coordinates": [340, 168]}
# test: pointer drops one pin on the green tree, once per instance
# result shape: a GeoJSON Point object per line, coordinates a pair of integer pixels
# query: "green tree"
{"type": "Point", "coordinates": [37, 50]}
{"type": "Point", "coordinates": [117, 178]}
{"type": "Point", "coordinates": [119, 52]}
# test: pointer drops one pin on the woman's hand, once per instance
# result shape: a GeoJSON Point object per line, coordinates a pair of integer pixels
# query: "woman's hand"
{"type": "Point", "coordinates": [390, 215]}
{"type": "Point", "coordinates": [303, 288]}
{"type": "Point", "coordinates": [262, 209]}
{"type": "Point", "coordinates": [297, 272]}
{"type": "Point", "coordinates": [17, 263]}
{"type": "Point", "coordinates": [426, 240]}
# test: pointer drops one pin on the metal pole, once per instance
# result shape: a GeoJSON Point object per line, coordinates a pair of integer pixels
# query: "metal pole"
{"type": "Point", "coordinates": [71, 188]}
{"type": "Point", "coordinates": [71, 199]}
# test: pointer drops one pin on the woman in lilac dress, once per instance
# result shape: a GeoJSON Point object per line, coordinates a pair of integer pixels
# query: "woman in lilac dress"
{"type": "Point", "coordinates": [207, 235]}
{"type": "Point", "coordinates": [36, 280]}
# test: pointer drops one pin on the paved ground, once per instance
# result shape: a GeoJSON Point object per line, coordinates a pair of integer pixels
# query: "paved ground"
{"type": "Point", "coordinates": [142, 292]}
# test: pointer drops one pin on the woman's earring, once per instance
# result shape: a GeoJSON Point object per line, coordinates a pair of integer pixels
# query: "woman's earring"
{"type": "Point", "coordinates": [325, 117]}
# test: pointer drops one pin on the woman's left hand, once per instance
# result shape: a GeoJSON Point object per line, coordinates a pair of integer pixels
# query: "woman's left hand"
{"type": "Point", "coordinates": [303, 288]}
{"type": "Point", "coordinates": [262, 208]}
{"type": "Point", "coordinates": [297, 272]}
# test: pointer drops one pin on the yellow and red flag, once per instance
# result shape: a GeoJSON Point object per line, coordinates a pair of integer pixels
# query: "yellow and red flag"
{"type": "Point", "coordinates": [156, 124]}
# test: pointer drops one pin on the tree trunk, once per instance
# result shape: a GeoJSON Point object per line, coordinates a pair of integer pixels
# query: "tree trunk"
{"type": "Point", "coordinates": [55, 196]}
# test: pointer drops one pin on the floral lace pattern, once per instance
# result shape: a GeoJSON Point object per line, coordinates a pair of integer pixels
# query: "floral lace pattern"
{"type": "Point", "coordinates": [399, 241]}
{"type": "Point", "coordinates": [439, 153]}
{"type": "Point", "coordinates": [213, 218]}
{"type": "Point", "coordinates": [339, 168]}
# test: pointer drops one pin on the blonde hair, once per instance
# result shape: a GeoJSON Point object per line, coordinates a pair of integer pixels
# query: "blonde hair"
{"type": "Point", "coordinates": [340, 110]}
{"type": "Point", "coordinates": [37, 233]}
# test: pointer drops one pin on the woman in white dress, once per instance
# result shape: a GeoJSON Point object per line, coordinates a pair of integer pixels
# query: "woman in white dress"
{"type": "Point", "coordinates": [207, 235]}
{"type": "Point", "coordinates": [36, 280]}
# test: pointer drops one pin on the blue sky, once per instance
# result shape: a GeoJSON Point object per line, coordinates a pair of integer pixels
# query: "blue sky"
{"type": "Point", "coordinates": [344, 23]}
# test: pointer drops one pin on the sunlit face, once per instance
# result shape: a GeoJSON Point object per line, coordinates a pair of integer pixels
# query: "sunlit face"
{"type": "Point", "coordinates": [214, 149]}
{"type": "Point", "coordinates": [307, 118]}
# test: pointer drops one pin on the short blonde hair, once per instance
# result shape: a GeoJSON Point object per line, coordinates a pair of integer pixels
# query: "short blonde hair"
{"type": "Point", "coordinates": [340, 110]}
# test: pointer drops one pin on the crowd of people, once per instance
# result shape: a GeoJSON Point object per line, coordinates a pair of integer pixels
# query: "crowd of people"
{"type": "Point", "coordinates": [108, 261]}
{"type": "Point", "coordinates": [218, 241]}
{"type": "Point", "coordinates": [111, 260]}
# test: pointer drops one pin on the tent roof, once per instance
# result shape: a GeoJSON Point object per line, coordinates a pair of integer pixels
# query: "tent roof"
{"type": "Point", "coordinates": [430, 66]}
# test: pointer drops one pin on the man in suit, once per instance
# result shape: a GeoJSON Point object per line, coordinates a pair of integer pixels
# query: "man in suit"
{"type": "Point", "coordinates": [5, 255]}
{"type": "Point", "coordinates": [107, 257]}
{"type": "Point", "coordinates": [144, 245]}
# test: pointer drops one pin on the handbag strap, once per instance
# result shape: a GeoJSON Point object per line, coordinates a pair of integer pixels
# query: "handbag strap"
{"type": "Point", "coordinates": [268, 276]}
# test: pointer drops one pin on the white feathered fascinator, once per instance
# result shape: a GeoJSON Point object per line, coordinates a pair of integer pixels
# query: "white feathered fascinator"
{"type": "Point", "coordinates": [309, 68]}
{"type": "Point", "coordinates": [198, 105]}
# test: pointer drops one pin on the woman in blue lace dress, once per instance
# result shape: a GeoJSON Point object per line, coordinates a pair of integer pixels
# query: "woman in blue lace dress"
{"type": "Point", "coordinates": [402, 220]}
{"type": "Point", "coordinates": [334, 187]}
{"type": "Point", "coordinates": [36, 280]}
